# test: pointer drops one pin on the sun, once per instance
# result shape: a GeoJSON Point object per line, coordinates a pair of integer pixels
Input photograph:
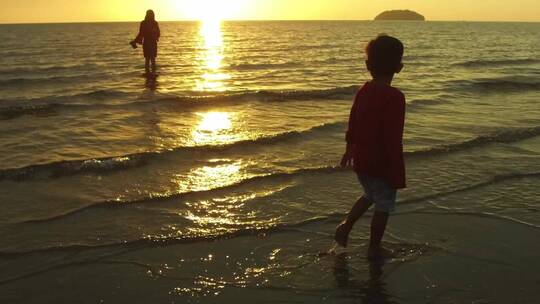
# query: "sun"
{"type": "Point", "coordinates": [212, 10]}
{"type": "Point", "coordinates": [207, 11]}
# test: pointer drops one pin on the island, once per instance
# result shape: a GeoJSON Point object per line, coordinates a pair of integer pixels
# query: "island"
{"type": "Point", "coordinates": [400, 15]}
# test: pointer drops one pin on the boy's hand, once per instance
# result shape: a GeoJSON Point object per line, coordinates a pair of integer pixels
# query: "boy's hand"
{"type": "Point", "coordinates": [347, 159]}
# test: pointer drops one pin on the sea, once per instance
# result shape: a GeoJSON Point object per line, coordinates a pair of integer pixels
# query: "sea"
{"type": "Point", "coordinates": [217, 181]}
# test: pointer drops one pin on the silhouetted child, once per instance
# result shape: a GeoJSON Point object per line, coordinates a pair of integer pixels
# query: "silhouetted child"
{"type": "Point", "coordinates": [148, 36]}
{"type": "Point", "coordinates": [375, 142]}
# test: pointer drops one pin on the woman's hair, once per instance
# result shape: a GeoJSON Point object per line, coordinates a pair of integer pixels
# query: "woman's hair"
{"type": "Point", "coordinates": [150, 16]}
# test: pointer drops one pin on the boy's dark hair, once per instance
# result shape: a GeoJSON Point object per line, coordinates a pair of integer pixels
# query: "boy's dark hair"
{"type": "Point", "coordinates": [384, 55]}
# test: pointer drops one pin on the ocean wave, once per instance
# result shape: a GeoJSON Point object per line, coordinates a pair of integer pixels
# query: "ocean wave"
{"type": "Point", "coordinates": [112, 204]}
{"type": "Point", "coordinates": [492, 181]}
{"type": "Point", "coordinates": [495, 63]}
{"type": "Point", "coordinates": [10, 109]}
{"type": "Point", "coordinates": [263, 66]}
{"type": "Point", "coordinates": [503, 136]}
{"type": "Point", "coordinates": [15, 108]}
{"type": "Point", "coordinates": [339, 92]}
{"type": "Point", "coordinates": [282, 176]}
{"type": "Point", "coordinates": [163, 241]}
{"type": "Point", "coordinates": [424, 102]}
{"type": "Point", "coordinates": [116, 163]}
{"type": "Point", "coordinates": [281, 227]}
{"type": "Point", "coordinates": [296, 48]}
{"type": "Point", "coordinates": [505, 85]}
{"type": "Point", "coordinates": [8, 113]}
{"type": "Point", "coordinates": [101, 99]}
{"type": "Point", "coordinates": [73, 167]}
{"type": "Point", "coordinates": [415, 57]}
{"type": "Point", "coordinates": [61, 99]}
{"type": "Point", "coordinates": [47, 70]}
{"type": "Point", "coordinates": [313, 47]}
{"type": "Point", "coordinates": [334, 60]}
{"type": "Point", "coordinates": [17, 82]}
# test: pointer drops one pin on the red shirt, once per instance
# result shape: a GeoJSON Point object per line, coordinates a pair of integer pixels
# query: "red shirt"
{"type": "Point", "coordinates": [376, 129]}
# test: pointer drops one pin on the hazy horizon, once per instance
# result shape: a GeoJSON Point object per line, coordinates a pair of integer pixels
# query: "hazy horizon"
{"type": "Point", "coordinates": [32, 11]}
{"type": "Point", "coordinates": [267, 20]}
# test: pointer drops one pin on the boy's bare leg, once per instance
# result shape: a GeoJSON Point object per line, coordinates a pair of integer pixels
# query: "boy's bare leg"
{"type": "Point", "coordinates": [153, 60]}
{"type": "Point", "coordinates": [378, 226]}
{"type": "Point", "coordinates": [147, 65]}
{"type": "Point", "coordinates": [342, 231]}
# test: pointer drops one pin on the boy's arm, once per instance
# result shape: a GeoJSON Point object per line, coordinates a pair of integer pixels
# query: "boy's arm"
{"type": "Point", "coordinates": [393, 125]}
{"type": "Point", "coordinates": [350, 137]}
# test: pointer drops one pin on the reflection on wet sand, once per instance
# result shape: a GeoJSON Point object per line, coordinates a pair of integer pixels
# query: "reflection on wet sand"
{"type": "Point", "coordinates": [369, 291]}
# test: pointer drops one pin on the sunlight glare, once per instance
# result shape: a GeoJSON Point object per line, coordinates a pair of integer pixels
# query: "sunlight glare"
{"type": "Point", "coordinates": [211, 57]}
{"type": "Point", "coordinates": [214, 122]}
{"type": "Point", "coordinates": [215, 174]}
{"type": "Point", "coordinates": [209, 177]}
{"type": "Point", "coordinates": [214, 128]}
{"type": "Point", "coordinates": [214, 10]}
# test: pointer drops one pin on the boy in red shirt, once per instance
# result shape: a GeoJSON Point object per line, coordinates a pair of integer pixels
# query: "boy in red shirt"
{"type": "Point", "coordinates": [375, 142]}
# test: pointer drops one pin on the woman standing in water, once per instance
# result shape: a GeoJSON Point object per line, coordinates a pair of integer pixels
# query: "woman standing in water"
{"type": "Point", "coordinates": [148, 36]}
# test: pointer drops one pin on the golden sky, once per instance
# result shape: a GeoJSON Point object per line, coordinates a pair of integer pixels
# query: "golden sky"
{"type": "Point", "coordinates": [30, 11]}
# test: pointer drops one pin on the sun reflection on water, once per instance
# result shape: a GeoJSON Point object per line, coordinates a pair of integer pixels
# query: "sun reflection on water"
{"type": "Point", "coordinates": [217, 173]}
{"type": "Point", "coordinates": [211, 57]}
{"type": "Point", "coordinates": [215, 121]}
{"type": "Point", "coordinates": [214, 128]}
{"type": "Point", "coordinates": [228, 214]}
{"type": "Point", "coordinates": [209, 177]}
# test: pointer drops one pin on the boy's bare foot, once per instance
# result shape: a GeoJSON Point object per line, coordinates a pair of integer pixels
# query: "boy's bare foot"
{"type": "Point", "coordinates": [375, 253]}
{"type": "Point", "coordinates": [342, 234]}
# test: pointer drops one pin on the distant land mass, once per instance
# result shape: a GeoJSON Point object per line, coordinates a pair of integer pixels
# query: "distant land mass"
{"type": "Point", "coordinates": [400, 15]}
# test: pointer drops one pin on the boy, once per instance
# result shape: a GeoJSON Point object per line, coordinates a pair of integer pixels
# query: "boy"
{"type": "Point", "coordinates": [375, 142]}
